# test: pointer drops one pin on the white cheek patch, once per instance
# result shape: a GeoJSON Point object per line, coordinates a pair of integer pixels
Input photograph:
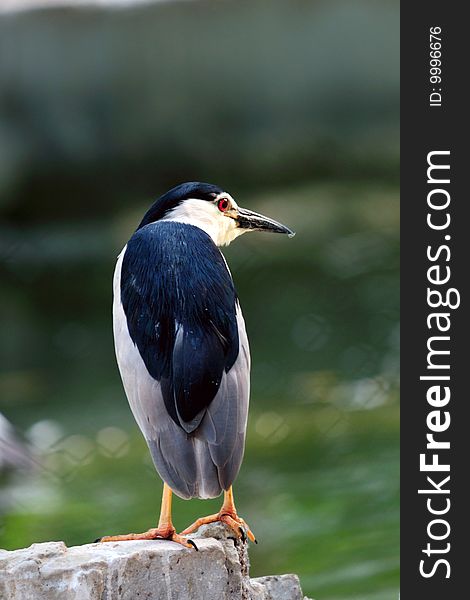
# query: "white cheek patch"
{"type": "Point", "coordinates": [205, 215]}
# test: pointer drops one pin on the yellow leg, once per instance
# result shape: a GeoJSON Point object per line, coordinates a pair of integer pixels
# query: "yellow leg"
{"type": "Point", "coordinates": [165, 509]}
{"type": "Point", "coordinates": [228, 515]}
{"type": "Point", "coordinates": [164, 531]}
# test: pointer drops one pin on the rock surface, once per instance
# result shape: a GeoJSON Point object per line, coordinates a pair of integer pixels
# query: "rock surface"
{"type": "Point", "coordinates": [150, 570]}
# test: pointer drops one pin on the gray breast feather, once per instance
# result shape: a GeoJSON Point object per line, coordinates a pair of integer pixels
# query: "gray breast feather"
{"type": "Point", "coordinates": [205, 462]}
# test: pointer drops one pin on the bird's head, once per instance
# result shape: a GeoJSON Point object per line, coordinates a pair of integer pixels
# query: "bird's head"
{"type": "Point", "coordinates": [212, 209]}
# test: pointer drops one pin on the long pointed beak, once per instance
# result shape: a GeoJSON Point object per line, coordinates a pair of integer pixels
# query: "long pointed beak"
{"type": "Point", "coordinates": [248, 219]}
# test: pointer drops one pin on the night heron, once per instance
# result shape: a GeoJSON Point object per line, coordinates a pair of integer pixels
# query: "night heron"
{"type": "Point", "coordinates": [182, 348]}
{"type": "Point", "coordinates": [15, 454]}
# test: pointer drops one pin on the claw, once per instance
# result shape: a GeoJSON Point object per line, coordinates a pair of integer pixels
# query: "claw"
{"type": "Point", "coordinates": [237, 525]}
{"type": "Point", "coordinates": [193, 545]}
{"type": "Point", "coordinates": [159, 533]}
{"type": "Point", "coordinates": [227, 515]}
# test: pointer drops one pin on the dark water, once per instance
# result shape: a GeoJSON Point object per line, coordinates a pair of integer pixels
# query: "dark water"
{"type": "Point", "coordinates": [319, 484]}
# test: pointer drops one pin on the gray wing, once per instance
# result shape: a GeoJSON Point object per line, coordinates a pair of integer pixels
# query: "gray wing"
{"type": "Point", "coordinates": [14, 452]}
{"type": "Point", "coordinates": [205, 462]}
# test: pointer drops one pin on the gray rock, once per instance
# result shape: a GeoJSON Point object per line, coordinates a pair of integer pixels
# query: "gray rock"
{"type": "Point", "coordinates": [279, 587]}
{"type": "Point", "coordinates": [150, 570]}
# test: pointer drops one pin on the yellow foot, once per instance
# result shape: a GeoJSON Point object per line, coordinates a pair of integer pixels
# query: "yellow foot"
{"type": "Point", "coordinates": [160, 533]}
{"type": "Point", "coordinates": [236, 523]}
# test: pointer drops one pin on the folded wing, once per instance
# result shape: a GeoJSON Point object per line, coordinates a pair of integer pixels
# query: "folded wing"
{"type": "Point", "coordinates": [183, 355]}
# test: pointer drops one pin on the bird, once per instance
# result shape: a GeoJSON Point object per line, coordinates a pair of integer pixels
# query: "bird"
{"type": "Point", "coordinates": [15, 453]}
{"type": "Point", "coordinates": [182, 349]}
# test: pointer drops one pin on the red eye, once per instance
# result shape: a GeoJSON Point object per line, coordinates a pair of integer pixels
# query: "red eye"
{"type": "Point", "coordinates": [223, 205]}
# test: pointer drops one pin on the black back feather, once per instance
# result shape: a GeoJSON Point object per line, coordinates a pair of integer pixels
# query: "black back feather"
{"type": "Point", "coordinates": [180, 304]}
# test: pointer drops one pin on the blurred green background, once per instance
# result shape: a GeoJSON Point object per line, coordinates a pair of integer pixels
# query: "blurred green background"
{"type": "Point", "coordinates": [293, 108]}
